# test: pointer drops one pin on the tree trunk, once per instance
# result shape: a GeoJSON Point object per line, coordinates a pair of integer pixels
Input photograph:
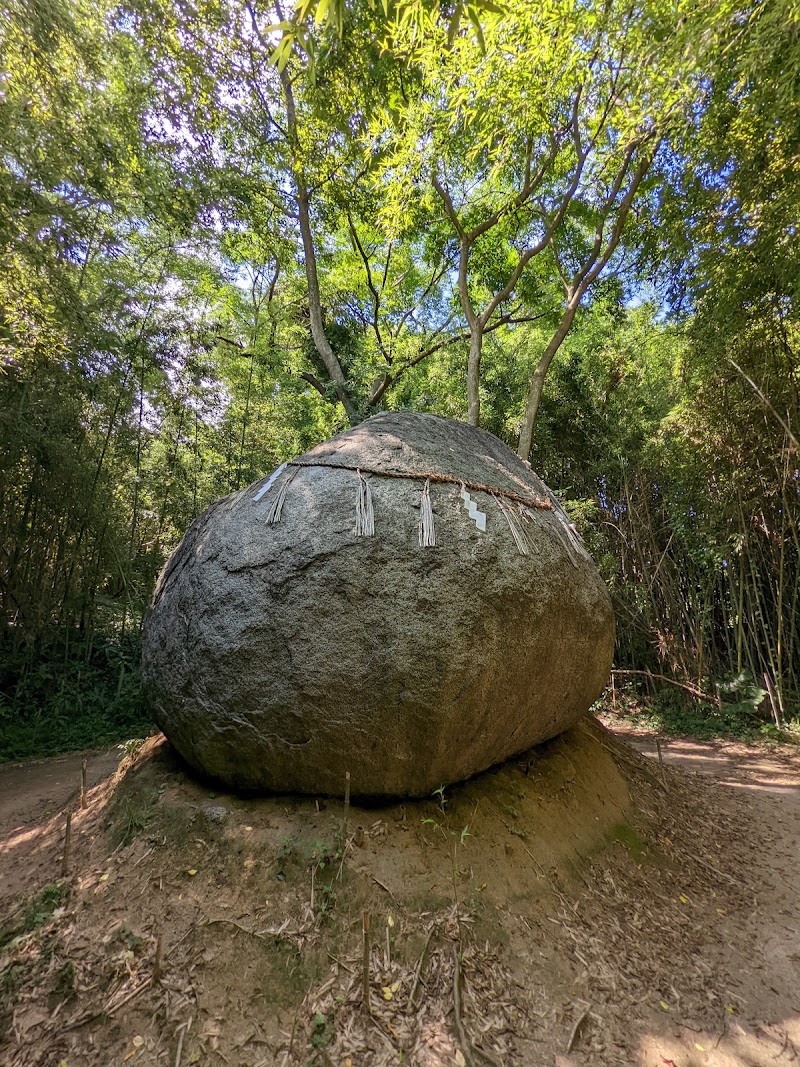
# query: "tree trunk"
{"type": "Point", "coordinates": [474, 375]}
{"type": "Point", "coordinates": [321, 343]}
{"type": "Point", "coordinates": [537, 379]}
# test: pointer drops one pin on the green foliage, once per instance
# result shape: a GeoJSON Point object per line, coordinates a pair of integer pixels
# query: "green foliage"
{"type": "Point", "coordinates": [322, 1032]}
{"type": "Point", "coordinates": [288, 845]}
{"type": "Point", "coordinates": [625, 835]}
{"type": "Point", "coordinates": [54, 700]}
{"type": "Point", "coordinates": [130, 747]}
{"type": "Point", "coordinates": [156, 301]}
{"type": "Point", "coordinates": [133, 814]}
{"type": "Point", "coordinates": [37, 912]}
{"type": "Point", "coordinates": [678, 715]}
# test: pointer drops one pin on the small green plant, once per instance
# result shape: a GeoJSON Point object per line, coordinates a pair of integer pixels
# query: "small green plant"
{"type": "Point", "coordinates": [125, 936]}
{"type": "Point", "coordinates": [133, 816]}
{"type": "Point", "coordinates": [321, 1031]}
{"type": "Point", "coordinates": [288, 844]}
{"type": "Point", "coordinates": [131, 746]}
{"type": "Point", "coordinates": [327, 897]}
{"type": "Point", "coordinates": [455, 838]}
{"type": "Point", "coordinates": [37, 912]}
{"type": "Point", "coordinates": [322, 859]}
{"type": "Point", "coordinates": [322, 855]}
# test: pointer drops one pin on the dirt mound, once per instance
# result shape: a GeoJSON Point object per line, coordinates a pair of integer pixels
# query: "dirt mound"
{"type": "Point", "coordinates": [529, 916]}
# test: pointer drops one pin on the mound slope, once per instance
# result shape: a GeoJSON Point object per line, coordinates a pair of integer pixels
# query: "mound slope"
{"type": "Point", "coordinates": [555, 903]}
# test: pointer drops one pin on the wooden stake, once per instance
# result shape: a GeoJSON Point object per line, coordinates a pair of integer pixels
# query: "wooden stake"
{"type": "Point", "coordinates": [84, 766]}
{"type": "Point", "coordinates": [345, 818]}
{"type": "Point", "coordinates": [365, 969]}
{"type": "Point", "coordinates": [346, 807]}
{"type": "Point", "coordinates": [67, 846]}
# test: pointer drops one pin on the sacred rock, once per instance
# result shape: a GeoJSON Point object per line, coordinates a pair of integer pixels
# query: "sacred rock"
{"type": "Point", "coordinates": [407, 602]}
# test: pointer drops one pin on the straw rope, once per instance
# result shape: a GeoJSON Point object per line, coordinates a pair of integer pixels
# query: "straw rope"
{"type": "Point", "coordinates": [543, 503]}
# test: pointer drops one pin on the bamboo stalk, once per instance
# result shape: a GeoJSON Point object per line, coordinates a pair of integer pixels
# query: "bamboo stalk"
{"type": "Point", "coordinates": [365, 965]}
{"type": "Point", "coordinates": [67, 846]}
{"type": "Point", "coordinates": [346, 815]}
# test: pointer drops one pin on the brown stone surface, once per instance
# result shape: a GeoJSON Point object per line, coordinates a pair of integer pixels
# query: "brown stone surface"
{"type": "Point", "coordinates": [280, 656]}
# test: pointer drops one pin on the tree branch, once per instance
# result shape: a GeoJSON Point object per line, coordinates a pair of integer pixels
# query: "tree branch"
{"type": "Point", "coordinates": [449, 208]}
{"type": "Point", "coordinates": [376, 299]}
{"type": "Point", "coordinates": [312, 379]}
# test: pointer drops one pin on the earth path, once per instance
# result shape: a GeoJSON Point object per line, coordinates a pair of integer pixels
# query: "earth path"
{"type": "Point", "coordinates": [767, 1029]}
{"type": "Point", "coordinates": [30, 792]}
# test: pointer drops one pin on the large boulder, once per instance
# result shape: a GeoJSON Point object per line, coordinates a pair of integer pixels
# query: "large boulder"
{"type": "Point", "coordinates": [406, 602]}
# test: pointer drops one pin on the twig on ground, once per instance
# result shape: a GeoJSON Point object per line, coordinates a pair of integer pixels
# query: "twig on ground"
{"type": "Point", "coordinates": [244, 929]}
{"type": "Point", "coordinates": [346, 805]}
{"type": "Point", "coordinates": [365, 963]}
{"type": "Point", "coordinates": [340, 963]}
{"type": "Point", "coordinates": [574, 1033]}
{"type": "Point", "coordinates": [288, 1052]}
{"type": "Point", "coordinates": [112, 1009]}
{"type": "Point", "coordinates": [383, 885]}
{"type": "Point", "coordinates": [661, 764]}
{"type": "Point", "coordinates": [156, 976]}
{"type": "Point", "coordinates": [420, 964]}
{"type": "Point", "coordinates": [345, 818]}
{"type": "Point", "coordinates": [67, 846]}
{"type": "Point", "coordinates": [182, 1034]}
{"type": "Point", "coordinates": [463, 1040]}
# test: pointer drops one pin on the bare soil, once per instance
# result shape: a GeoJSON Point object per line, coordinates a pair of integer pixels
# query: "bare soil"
{"type": "Point", "coordinates": [30, 792]}
{"type": "Point", "coordinates": [596, 910]}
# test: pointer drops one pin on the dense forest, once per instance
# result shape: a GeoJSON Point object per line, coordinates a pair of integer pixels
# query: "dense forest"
{"type": "Point", "coordinates": [230, 230]}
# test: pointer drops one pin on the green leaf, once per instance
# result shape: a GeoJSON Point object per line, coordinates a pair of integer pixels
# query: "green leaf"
{"type": "Point", "coordinates": [474, 18]}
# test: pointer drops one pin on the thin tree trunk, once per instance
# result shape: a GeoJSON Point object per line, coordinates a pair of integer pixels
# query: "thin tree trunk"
{"type": "Point", "coordinates": [321, 343]}
{"type": "Point", "coordinates": [584, 277]}
{"type": "Point", "coordinates": [474, 375]}
{"type": "Point", "coordinates": [537, 379]}
{"type": "Point", "coordinates": [245, 420]}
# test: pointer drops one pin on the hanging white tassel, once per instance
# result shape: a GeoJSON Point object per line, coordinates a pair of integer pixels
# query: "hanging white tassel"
{"type": "Point", "coordinates": [427, 532]}
{"type": "Point", "coordinates": [565, 536]}
{"type": "Point", "coordinates": [274, 513]}
{"type": "Point", "coordinates": [365, 516]}
{"type": "Point", "coordinates": [517, 531]}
